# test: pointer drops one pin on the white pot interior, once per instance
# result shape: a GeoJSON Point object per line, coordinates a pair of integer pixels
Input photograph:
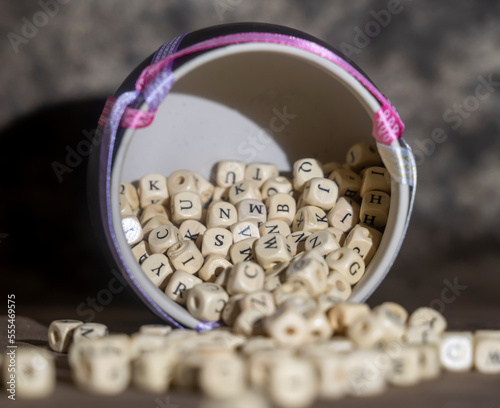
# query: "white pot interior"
{"type": "Point", "coordinates": [223, 106]}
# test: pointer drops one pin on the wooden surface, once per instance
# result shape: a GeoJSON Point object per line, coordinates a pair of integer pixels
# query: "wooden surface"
{"type": "Point", "coordinates": [450, 391]}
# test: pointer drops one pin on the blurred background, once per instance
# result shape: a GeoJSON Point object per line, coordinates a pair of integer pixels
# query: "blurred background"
{"type": "Point", "coordinates": [438, 62]}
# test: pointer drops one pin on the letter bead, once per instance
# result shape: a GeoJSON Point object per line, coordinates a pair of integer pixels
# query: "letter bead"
{"type": "Point", "coordinates": [252, 210]}
{"type": "Point", "coordinates": [310, 218]}
{"type": "Point", "coordinates": [281, 207]}
{"type": "Point", "coordinates": [229, 173]}
{"type": "Point", "coordinates": [221, 214]}
{"type": "Point", "coordinates": [287, 327]}
{"type": "Point", "coordinates": [141, 251]}
{"type": "Point", "coordinates": [60, 334]}
{"type": "Point", "coordinates": [345, 215]}
{"type": "Point", "coordinates": [343, 315]}
{"type": "Point", "coordinates": [153, 223]}
{"type": "Point", "coordinates": [456, 351]}
{"type": "Point", "coordinates": [153, 372]}
{"type": "Point", "coordinates": [232, 309]}
{"type": "Point", "coordinates": [337, 286]}
{"type": "Point", "coordinates": [276, 185]}
{"type": "Point", "coordinates": [242, 250]}
{"type": "Point", "coordinates": [271, 249]}
{"type": "Point", "coordinates": [243, 190]}
{"type": "Point", "coordinates": [214, 266]}
{"type": "Point", "coordinates": [244, 230]}
{"type": "Point", "coordinates": [309, 272]}
{"type": "Point", "coordinates": [206, 301]}
{"type": "Point", "coordinates": [375, 179]}
{"type": "Point", "coordinates": [179, 285]}
{"type": "Point", "coordinates": [348, 263]}
{"type": "Point", "coordinates": [153, 190]}
{"type": "Point", "coordinates": [158, 269]}
{"type": "Point", "coordinates": [249, 322]}
{"type": "Point", "coordinates": [274, 227]}
{"type": "Point", "coordinates": [180, 181]}
{"type": "Point", "coordinates": [363, 155]}
{"type": "Point", "coordinates": [35, 373]}
{"type": "Point", "coordinates": [216, 241]}
{"type": "Point", "coordinates": [186, 256]}
{"type": "Point", "coordinates": [375, 209]}
{"type": "Point", "coordinates": [323, 242]}
{"type": "Point", "coordinates": [364, 241]}
{"type": "Point", "coordinates": [191, 229]}
{"type": "Point", "coordinates": [297, 240]}
{"type": "Point", "coordinates": [348, 183]}
{"type": "Point", "coordinates": [132, 229]}
{"type": "Point", "coordinates": [428, 318]}
{"type": "Point", "coordinates": [162, 238]}
{"type": "Point", "coordinates": [320, 192]}
{"type": "Point", "coordinates": [404, 368]}
{"type": "Point", "coordinates": [222, 378]}
{"type": "Point", "coordinates": [89, 331]}
{"type": "Point", "coordinates": [487, 353]}
{"type": "Point", "coordinates": [205, 188]}
{"type": "Point", "coordinates": [261, 300]}
{"type": "Point", "coordinates": [220, 194]}
{"type": "Point", "coordinates": [304, 170]}
{"type": "Point", "coordinates": [151, 211]}
{"type": "Point", "coordinates": [259, 173]}
{"type": "Point", "coordinates": [245, 277]}
{"type": "Point", "coordinates": [129, 193]}
{"type": "Point", "coordinates": [125, 208]}
{"type": "Point", "coordinates": [185, 206]}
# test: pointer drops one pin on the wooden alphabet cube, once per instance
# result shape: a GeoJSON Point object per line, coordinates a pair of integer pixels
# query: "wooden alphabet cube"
{"type": "Point", "coordinates": [395, 309]}
{"type": "Point", "coordinates": [337, 286]}
{"type": "Point", "coordinates": [291, 292]}
{"type": "Point", "coordinates": [261, 360]}
{"type": "Point", "coordinates": [375, 179]}
{"type": "Point", "coordinates": [456, 351]}
{"type": "Point", "coordinates": [34, 376]}
{"type": "Point", "coordinates": [342, 315]}
{"type": "Point", "coordinates": [404, 368]}
{"type": "Point", "coordinates": [366, 332]}
{"type": "Point", "coordinates": [333, 381]}
{"type": "Point", "coordinates": [151, 211]}
{"type": "Point", "coordinates": [229, 173]}
{"type": "Point", "coordinates": [185, 256]}
{"type": "Point", "coordinates": [259, 173]}
{"type": "Point", "coordinates": [242, 251]}
{"type": "Point", "coordinates": [276, 185]}
{"type": "Point", "coordinates": [213, 267]}
{"type": "Point", "coordinates": [245, 277]}
{"type": "Point", "coordinates": [125, 208]}
{"type": "Point", "coordinates": [292, 383]}
{"type": "Point", "coordinates": [348, 263]}
{"type": "Point", "coordinates": [345, 215]}
{"type": "Point", "coordinates": [375, 209]}
{"type": "Point", "coordinates": [155, 329]}
{"type": "Point", "coordinates": [184, 206]}
{"type": "Point", "coordinates": [323, 242]}
{"type": "Point", "coordinates": [320, 192]}
{"type": "Point", "coordinates": [287, 327]}
{"type": "Point", "coordinates": [394, 328]}
{"type": "Point", "coordinates": [310, 218]}
{"type": "Point", "coordinates": [244, 230]}
{"type": "Point", "coordinates": [216, 241]}
{"type": "Point", "coordinates": [89, 331]}
{"type": "Point", "coordinates": [206, 301]}
{"type": "Point", "coordinates": [429, 318]}
{"type": "Point", "coordinates": [60, 334]}
{"type": "Point", "coordinates": [337, 233]}
{"type": "Point", "coordinates": [261, 300]}
{"type": "Point", "coordinates": [158, 269]}
{"type": "Point", "coordinates": [232, 309]}
{"type": "Point", "coordinates": [220, 194]}
{"type": "Point", "coordinates": [163, 238]}
{"type": "Point", "coordinates": [319, 327]}
{"type": "Point", "coordinates": [304, 170]}
{"type": "Point", "coordinates": [297, 241]}
{"type": "Point", "coordinates": [153, 190]}
{"type": "Point", "coordinates": [348, 183]}
{"type": "Point", "coordinates": [281, 207]}
{"type": "Point", "coordinates": [179, 285]}
{"type": "Point", "coordinates": [153, 372]}
{"type": "Point", "coordinates": [274, 276]}
{"type": "Point", "coordinates": [274, 227]}
{"type": "Point", "coordinates": [153, 223]}
{"type": "Point", "coordinates": [329, 168]}
{"type": "Point", "coordinates": [365, 375]}
{"type": "Point", "coordinates": [421, 335]}
{"type": "Point", "coordinates": [205, 188]}
{"type": "Point", "coordinates": [192, 229]}
{"type": "Point", "coordinates": [252, 210]}
{"type": "Point", "coordinates": [243, 190]}
{"type": "Point", "coordinates": [180, 181]}
{"type": "Point", "coordinates": [429, 365]}
{"type": "Point", "coordinates": [310, 273]}
{"type": "Point", "coordinates": [223, 378]}
{"type": "Point", "coordinates": [132, 229]}
{"type": "Point", "coordinates": [364, 240]}
{"type": "Point", "coordinates": [363, 155]}
{"type": "Point", "coordinates": [221, 215]}
{"type": "Point", "coordinates": [129, 193]}
{"type": "Point", "coordinates": [249, 322]}
{"type": "Point", "coordinates": [271, 249]}
{"type": "Point", "coordinates": [487, 354]}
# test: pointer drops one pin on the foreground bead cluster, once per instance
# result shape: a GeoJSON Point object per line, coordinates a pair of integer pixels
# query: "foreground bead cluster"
{"type": "Point", "coordinates": [256, 240]}
{"type": "Point", "coordinates": [367, 351]}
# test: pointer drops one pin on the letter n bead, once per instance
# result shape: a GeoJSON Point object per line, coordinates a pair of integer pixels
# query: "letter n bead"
{"type": "Point", "coordinates": [206, 301]}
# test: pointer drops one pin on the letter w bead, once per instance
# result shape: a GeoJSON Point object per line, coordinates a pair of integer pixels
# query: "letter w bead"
{"type": "Point", "coordinates": [271, 243]}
